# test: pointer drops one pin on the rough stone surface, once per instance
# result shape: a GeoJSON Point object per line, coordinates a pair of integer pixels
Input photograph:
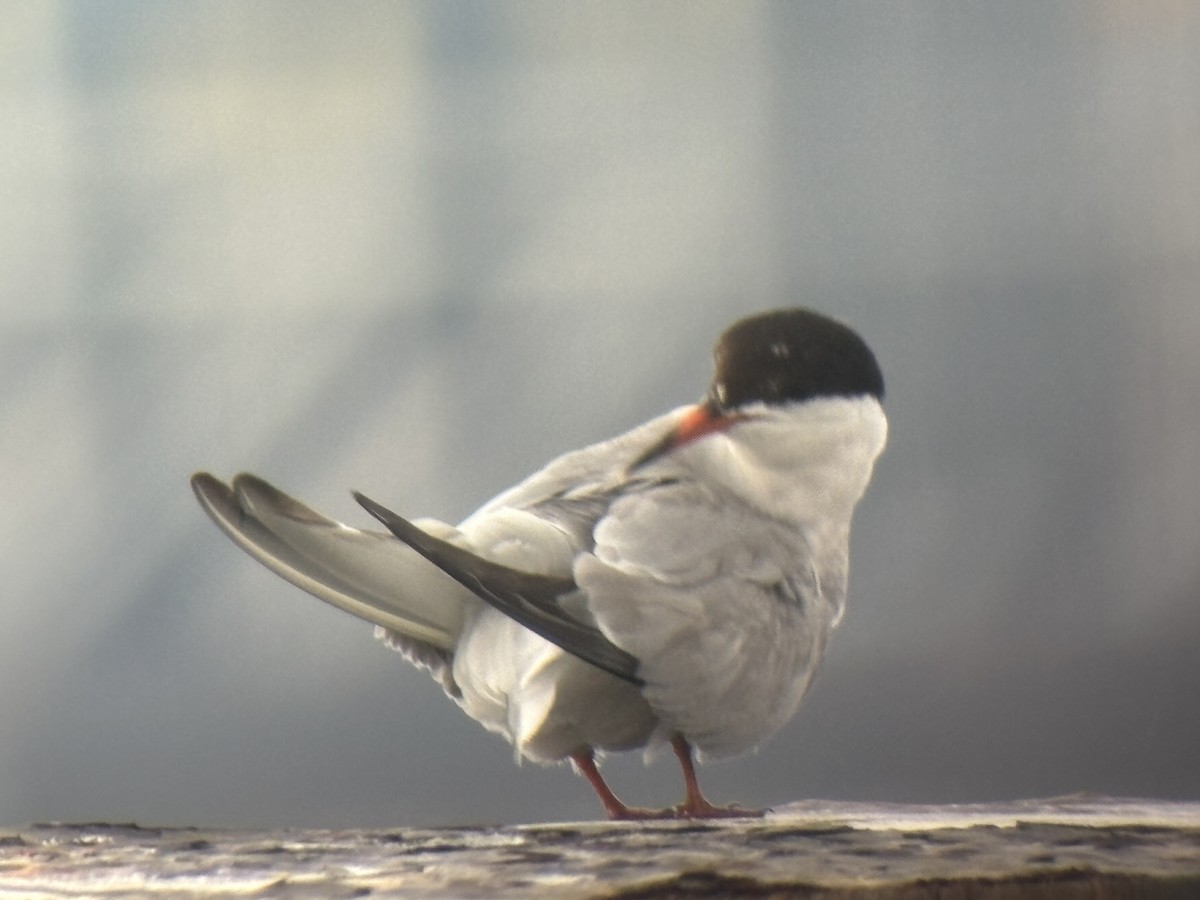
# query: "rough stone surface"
{"type": "Point", "coordinates": [1064, 848]}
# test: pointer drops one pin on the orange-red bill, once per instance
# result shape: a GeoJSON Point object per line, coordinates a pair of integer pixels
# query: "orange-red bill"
{"type": "Point", "coordinates": [696, 423]}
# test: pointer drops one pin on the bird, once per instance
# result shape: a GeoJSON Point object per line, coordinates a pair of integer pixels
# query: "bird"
{"type": "Point", "coordinates": [674, 585]}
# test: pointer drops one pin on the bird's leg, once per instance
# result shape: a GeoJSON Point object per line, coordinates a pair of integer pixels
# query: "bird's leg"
{"type": "Point", "coordinates": [585, 764]}
{"type": "Point", "coordinates": [696, 806]}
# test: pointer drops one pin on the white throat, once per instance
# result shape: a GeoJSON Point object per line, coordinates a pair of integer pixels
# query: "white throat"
{"type": "Point", "coordinates": [802, 463]}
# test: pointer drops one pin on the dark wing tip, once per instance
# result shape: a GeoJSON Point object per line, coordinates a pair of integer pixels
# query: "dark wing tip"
{"type": "Point", "coordinates": [203, 484]}
{"type": "Point", "coordinates": [215, 496]}
{"type": "Point", "coordinates": [259, 496]}
{"type": "Point", "coordinates": [525, 597]}
{"type": "Point", "coordinates": [397, 525]}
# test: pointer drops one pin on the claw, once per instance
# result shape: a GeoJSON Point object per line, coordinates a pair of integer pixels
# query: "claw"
{"type": "Point", "coordinates": [702, 809]}
{"type": "Point", "coordinates": [696, 806]}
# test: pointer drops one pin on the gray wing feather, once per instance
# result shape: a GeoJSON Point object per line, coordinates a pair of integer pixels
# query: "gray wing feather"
{"type": "Point", "coordinates": [529, 599]}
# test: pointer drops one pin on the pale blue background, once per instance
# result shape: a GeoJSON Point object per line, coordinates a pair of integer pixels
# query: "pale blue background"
{"type": "Point", "coordinates": [418, 249]}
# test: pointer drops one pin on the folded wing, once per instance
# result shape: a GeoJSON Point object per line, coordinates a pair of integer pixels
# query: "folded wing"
{"type": "Point", "coordinates": [530, 599]}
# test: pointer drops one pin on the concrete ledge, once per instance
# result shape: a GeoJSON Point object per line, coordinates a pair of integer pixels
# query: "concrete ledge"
{"type": "Point", "coordinates": [1064, 848]}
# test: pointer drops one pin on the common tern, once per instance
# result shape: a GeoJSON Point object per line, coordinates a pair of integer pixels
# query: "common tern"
{"type": "Point", "coordinates": [675, 584]}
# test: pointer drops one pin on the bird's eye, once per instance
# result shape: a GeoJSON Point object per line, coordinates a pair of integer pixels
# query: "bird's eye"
{"type": "Point", "coordinates": [780, 350]}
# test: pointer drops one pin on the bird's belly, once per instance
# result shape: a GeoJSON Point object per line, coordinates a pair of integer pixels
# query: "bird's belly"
{"type": "Point", "coordinates": [726, 663]}
{"type": "Point", "coordinates": [546, 702]}
{"type": "Point", "coordinates": [754, 689]}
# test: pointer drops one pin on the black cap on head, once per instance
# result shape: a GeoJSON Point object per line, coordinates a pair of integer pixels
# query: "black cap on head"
{"type": "Point", "coordinates": [791, 355]}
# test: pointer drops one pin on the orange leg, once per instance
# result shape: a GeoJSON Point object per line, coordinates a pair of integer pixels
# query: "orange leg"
{"type": "Point", "coordinates": [696, 806]}
{"type": "Point", "coordinates": [585, 765]}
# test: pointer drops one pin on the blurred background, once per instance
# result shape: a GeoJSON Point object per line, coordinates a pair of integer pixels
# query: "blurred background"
{"type": "Point", "coordinates": [418, 249]}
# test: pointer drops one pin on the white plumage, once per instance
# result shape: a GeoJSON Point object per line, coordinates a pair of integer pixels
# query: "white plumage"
{"type": "Point", "coordinates": [700, 559]}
